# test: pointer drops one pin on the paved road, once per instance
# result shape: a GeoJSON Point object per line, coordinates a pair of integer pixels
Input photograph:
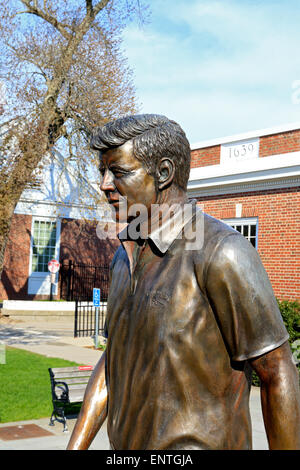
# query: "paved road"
{"type": "Point", "coordinates": [13, 335]}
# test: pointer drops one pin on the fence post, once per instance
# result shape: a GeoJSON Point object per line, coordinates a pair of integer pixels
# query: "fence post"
{"type": "Point", "coordinates": [76, 319]}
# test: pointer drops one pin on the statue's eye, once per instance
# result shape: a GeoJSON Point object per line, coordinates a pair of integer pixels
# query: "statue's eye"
{"type": "Point", "coordinates": [118, 173]}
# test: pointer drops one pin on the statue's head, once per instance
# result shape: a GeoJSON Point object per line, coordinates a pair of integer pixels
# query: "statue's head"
{"type": "Point", "coordinates": [154, 137]}
{"type": "Point", "coordinates": [141, 156]}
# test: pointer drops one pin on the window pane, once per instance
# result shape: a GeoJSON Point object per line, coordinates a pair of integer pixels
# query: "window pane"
{"type": "Point", "coordinates": [43, 248]}
{"type": "Point", "coordinates": [42, 227]}
{"type": "Point", "coordinates": [248, 230]}
{"type": "Point", "coordinates": [53, 237]}
{"type": "Point", "coordinates": [252, 230]}
{"type": "Point", "coordinates": [46, 236]}
{"type": "Point", "coordinates": [34, 263]}
{"type": "Point", "coordinates": [40, 250]}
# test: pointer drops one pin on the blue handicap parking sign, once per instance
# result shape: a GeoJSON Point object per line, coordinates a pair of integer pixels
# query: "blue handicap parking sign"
{"type": "Point", "coordinates": [96, 297]}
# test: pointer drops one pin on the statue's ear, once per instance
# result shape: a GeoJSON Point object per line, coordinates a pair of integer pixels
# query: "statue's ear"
{"type": "Point", "coordinates": [165, 173]}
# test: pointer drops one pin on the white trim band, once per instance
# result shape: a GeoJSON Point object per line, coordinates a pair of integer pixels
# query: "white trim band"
{"type": "Point", "coordinates": [246, 135]}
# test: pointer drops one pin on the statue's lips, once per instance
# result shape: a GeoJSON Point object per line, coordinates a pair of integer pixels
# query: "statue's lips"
{"type": "Point", "coordinates": [114, 202]}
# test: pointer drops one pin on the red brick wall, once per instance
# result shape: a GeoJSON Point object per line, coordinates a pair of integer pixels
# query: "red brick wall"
{"type": "Point", "coordinates": [79, 242]}
{"type": "Point", "coordinates": [206, 156]}
{"type": "Point", "coordinates": [279, 143]}
{"type": "Point", "coordinates": [274, 144]}
{"type": "Point", "coordinates": [278, 215]}
{"type": "Point", "coordinates": [14, 279]}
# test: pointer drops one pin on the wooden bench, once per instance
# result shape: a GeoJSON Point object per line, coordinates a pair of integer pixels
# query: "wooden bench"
{"type": "Point", "coordinates": [68, 385]}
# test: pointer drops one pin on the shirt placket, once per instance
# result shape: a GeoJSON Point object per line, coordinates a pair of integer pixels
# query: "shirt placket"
{"type": "Point", "coordinates": [137, 252]}
{"type": "Point", "coordinates": [134, 252]}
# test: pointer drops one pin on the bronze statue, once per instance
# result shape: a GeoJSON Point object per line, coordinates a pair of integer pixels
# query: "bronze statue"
{"type": "Point", "coordinates": [186, 323]}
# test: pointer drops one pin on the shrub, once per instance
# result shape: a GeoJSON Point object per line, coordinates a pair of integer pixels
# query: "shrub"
{"type": "Point", "coordinates": [290, 312]}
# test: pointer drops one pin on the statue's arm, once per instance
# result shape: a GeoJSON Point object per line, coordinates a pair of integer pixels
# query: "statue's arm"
{"type": "Point", "coordinates": [280, 397]}
{"type": "Point", "coordinates": [93, 411]}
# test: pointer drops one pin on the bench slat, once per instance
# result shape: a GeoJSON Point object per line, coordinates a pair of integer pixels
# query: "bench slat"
{"type": "Point", "coordinates": [75, 396]}
{"type": "Point", "coordinates": [74, 391]}
{"type": "Point", "coordinates": [72, 386]}
{"type": "Point", "coordinates": [80, 380]}
{"type": "Point", "coordinates": [59, 376]}
{"type": "Point", "coordinates": [77, 387]}
{"type": "Point", "coordinates": [72, 369]}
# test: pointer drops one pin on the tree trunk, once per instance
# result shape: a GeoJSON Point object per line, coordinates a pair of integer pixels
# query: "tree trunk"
{"type": "Point", "coordinates": [33, 146]}
{"type": "Point", "coordinates": [5, 221]}
{"type": "Point", "coordinates": [38, 135]}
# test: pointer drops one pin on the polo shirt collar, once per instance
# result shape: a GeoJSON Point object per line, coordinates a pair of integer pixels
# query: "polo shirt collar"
{"type": "Point", "coordinates": [166, 224]}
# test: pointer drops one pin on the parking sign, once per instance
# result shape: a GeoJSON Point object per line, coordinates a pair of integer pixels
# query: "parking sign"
{"type": "Point", "coordinates": [96, 297]}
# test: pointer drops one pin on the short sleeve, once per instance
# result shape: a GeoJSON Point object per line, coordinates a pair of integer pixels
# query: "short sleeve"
{"type": "Point", "coordinates": [242, 299]}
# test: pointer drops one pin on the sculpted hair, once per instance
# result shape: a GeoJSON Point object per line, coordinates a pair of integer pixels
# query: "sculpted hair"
{"type": "Point", "coordinates": [153, 137]}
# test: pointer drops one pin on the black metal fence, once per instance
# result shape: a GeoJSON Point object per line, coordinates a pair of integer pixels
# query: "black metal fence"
{"type": "Point", "coordinates": [85, 318]}
{"type": "Point", "coordinates": [78, 280]}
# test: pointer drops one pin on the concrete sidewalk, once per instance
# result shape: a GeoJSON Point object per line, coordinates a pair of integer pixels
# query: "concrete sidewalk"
{"type": "Point", "coordinates": [58, 440]}
{"type": "Point", "coordinates": [56, 340]}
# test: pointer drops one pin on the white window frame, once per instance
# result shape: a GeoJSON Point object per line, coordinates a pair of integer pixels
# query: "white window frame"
{"type": "Point", "coordinates": [244, 221]}
{"type": "Point", "coordinates": [57, 241]}
{"type": "Point", "coordinates": [39, 281]}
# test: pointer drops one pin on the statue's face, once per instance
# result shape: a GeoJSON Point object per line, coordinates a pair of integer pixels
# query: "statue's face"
{"type": "Point", "coordinates": [125, 181]}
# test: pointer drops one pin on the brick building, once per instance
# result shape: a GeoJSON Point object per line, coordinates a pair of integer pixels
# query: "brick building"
{"type": "Point", "coordinates": [252, 182]}
{"type": "Point", "coordinates": [55, 221]}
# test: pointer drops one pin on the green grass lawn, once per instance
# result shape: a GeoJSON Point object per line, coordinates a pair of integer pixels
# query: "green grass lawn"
{"type": "Point", "coordinates": [25, 391]}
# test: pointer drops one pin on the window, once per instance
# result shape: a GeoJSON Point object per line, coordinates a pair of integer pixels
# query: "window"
{"type": "Point", "coordinates": [43, 244]}
{"type": "Point", "coordinates": [247, 227]}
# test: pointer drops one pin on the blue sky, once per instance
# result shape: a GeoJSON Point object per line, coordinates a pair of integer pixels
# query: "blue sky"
{"type": "Point", "coordinates": [218, 67]}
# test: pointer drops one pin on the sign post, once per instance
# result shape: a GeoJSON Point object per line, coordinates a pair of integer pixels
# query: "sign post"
{"type": "Point", "coordinates": [96, 303]}
{"type": "Point", "coordinates": [53, 267]}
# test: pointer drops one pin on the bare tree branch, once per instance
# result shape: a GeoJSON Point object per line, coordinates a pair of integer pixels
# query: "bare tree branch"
{"type": "Point", "coordinates": [88, 83]}
{"type": "Point", "coordinates": [33, 9]}
{"type": "Point", "coordinates": [99, 6]}
{"type": "Point", "coordinates": [89, 6]}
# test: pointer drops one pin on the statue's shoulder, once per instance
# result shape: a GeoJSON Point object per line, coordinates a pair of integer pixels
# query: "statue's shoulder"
{"type": "Point", "coordinates": [226, 248]}
{"type": "Point", "coordinates": [212, 232]}
{"type": "Point", "coordinates": [215, 229]}
{"type": "Point", "coordinates": [222, 247]}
